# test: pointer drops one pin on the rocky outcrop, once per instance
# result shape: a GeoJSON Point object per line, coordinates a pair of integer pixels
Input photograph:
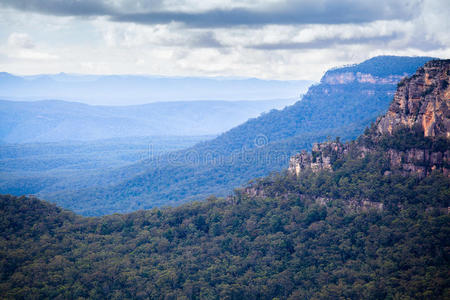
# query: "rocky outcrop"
{"type": "Point", "coordinates": [420, 162]}
{"type": "Point", "coordinates": [299, 163]}
{"type": "Point", "coordinates": [421, 104]}
{"type": "Point", "coordinates": [353, 204]}
{"type": "Point", "coordinates": [322, 157]}
{"type": "Point", "coordinates": [421, 100]}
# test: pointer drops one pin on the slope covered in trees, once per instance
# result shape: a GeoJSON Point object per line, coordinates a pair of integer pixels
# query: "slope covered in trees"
{"type": "Point", "coordinates": [285, 243]}
{"type": "Point", "coordinates": [31, 167]}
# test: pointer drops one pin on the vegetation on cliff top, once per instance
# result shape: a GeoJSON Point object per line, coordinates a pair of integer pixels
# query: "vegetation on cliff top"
{"type": "Point", "coordinates": [383, 66]}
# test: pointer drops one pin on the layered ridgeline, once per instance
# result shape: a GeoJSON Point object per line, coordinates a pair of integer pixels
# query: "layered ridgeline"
{"type": "Point", "coordinates": [61, 121]}
{"type": "Point", "coordinates": [363, 228]}
{"type": "Point", "coordinates": [141, 89]}
{"type": "Point", "coordinates": [343, 104]}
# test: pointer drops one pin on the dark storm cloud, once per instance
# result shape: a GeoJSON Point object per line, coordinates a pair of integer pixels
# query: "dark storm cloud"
{"type": "Point", "coordinates": [288, 12]}
{"type": "Point", "coordinates": [325, 43]}
{"type": "Point", "coordinates": [196, 40]}
{"type": "Point", "coordinates": [60, 7]}
{"type": "Point", "coordinates": [206, 40]}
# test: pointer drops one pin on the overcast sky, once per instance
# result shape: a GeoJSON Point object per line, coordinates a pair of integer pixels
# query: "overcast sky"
{"type": "Point", "coordinates": [270, 39]}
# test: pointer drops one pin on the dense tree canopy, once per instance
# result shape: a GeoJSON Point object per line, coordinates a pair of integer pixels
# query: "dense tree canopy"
{"type": "Point", "coordinates": [294, 238]}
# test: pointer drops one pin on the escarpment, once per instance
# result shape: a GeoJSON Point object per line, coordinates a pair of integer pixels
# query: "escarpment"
{"type": "Point", "coordinates": [350, 77]}
{"type": "Point", "coordinates": [413, 136]}
{"type": "Point", "coordinates": [421, 100]}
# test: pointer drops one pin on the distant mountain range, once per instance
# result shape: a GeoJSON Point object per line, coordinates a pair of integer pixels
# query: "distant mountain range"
{"type": "Point", "coordinates": [136, 89]}
{"type": "Point", "coordinates": [254, 149]}
{"type": "Point", "coordinates": [56, 121]}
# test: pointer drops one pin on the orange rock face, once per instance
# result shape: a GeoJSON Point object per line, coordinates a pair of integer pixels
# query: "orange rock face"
{"type": "Point", "coordinates": [428, 120]}
{"type": "Point", "coordinates": [422, 99]}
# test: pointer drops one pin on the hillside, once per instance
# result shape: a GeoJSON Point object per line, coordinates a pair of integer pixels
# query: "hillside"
{"type": "Point", "coordinates": [58, 121]}
{"type": "Point", "coordinates": [253, 149]}
{"type": "Point", "coordinates": [350, 224]}
{"type": "Point", "coordinates": [288, 248]}
{"type": "Point", "coordinates": [30, 167]}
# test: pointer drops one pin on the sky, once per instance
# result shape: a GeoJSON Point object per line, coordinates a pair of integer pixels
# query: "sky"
{"type": "Point", "coordinates": [272, 39]}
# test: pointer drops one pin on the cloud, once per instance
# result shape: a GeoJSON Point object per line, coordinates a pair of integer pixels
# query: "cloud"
{"type": "Point", "coordinates": [20, 40]}
{"type": "Point", "coordinates": [325, 43]}
{"type": "Point", "coordinates": [33, 55]}
{"type": "Point", "coordinates": [206, 40]}
{"type": "Point", "coordinates": [297, 12]}
{"type": "Point", "coordinates": [287, 12]}
{"type": "Point", "coordinates": [133, 35]}
{"type": "Point", "coordinates": [61, 8]}
{"type": "Point", "coordinates": [21, 46]}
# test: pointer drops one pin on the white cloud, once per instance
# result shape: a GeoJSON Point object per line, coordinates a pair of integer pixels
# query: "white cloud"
{"type": "Point", "coordinates": [32, 55]}
{"type": "Point", "coordinates": [20, 40]}
{"type": "Point", "coordinates": [20, 46]}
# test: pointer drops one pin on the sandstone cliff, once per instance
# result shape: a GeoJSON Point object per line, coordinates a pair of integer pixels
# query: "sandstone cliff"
{"type": "Point", "coordinates": [420, 106]}
{"type": "Point", "coordinates": [350, 77]}
{"type": "Point", "coordinates": [422, 99]}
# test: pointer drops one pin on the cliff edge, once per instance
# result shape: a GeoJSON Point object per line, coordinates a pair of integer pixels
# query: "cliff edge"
{"type": "Point", "coordinates": [414, 134]}
{"type": "Point", "coordinates": [421, 100]}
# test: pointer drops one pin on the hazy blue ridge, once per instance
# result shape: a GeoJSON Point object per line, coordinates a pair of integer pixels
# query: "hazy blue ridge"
{"type": "Point", "coordinates": [56, 121]}
{"type": "Point", "coordinates": [140, 89]}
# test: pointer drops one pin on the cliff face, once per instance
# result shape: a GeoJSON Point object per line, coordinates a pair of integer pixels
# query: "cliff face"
{"type": "Point", "coordinates": [422, 100]}
{"type": "Point", "coordinates": [421, 104]}
{"type": "Point", "coordinates": [419, 161]}
{"type": "Point", "coordinates": [321, 158]}
{"type": "Point", "coordinates": [350, 77]}
{"type": "Point", "coordinates": [377, 70]}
